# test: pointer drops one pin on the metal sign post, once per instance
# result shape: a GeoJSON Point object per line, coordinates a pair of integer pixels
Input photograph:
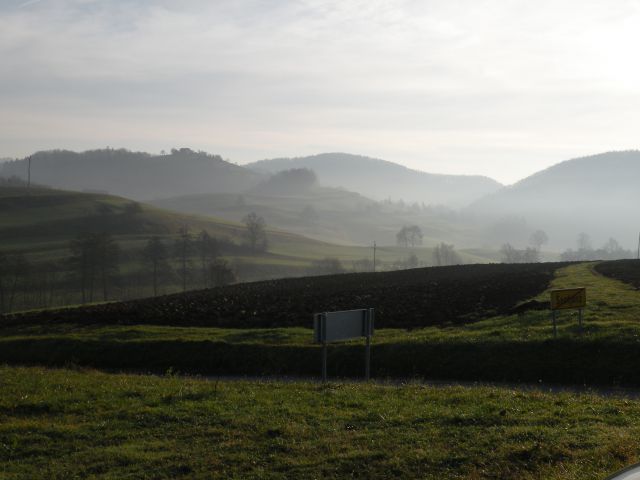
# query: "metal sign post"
{"type": "Point", "coordinates": [324, 362]}
{"type": "Point", "coordinates": [344, 325]}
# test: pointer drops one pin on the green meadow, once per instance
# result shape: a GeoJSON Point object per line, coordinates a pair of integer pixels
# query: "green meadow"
{"type": "Point", "coordinates": [61, 424]}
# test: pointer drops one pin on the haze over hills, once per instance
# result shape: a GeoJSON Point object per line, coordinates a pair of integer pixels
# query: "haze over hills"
{"type": "Point", "coordinates": [294, 201]}
{"type": "Point", "coordinates": [135, 175]}
{"type": "Point", "coordinates": [597, 195]}
{"type": "Point", "coordinates": [144, 176]}
{"type": "Point", "coordinates": [381, 179]}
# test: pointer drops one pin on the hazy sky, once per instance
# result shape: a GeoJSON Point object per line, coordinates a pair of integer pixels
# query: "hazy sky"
{"type": "Point", "coordinates": [500, 88]}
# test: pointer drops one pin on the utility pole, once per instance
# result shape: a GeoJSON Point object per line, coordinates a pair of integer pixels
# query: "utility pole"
{"type": "Point", "coordinates": [639, 246]}
{"type": "Point", "coordinates": [374, 255]}
{"type": "Point", "coordinates": [29, 176]}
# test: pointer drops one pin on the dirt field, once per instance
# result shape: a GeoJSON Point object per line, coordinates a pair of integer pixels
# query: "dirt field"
{"type": "Point", "coordinates": [627, 271]}
{"type": "Point", "coordinates": [406, 299]}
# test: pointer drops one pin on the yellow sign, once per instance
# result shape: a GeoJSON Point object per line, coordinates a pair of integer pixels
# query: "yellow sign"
{"type": "Point", "coordinates": [568, 298]}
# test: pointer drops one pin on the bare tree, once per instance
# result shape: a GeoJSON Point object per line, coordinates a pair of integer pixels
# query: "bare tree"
{"type": "Point", "coordinates": [445, 254]}
{"type": "Point", "coordinates": [14, 270]}
{"type": "Point", "coordinates": [409, 236]}
{"type": "Point", "coordinates": [584, 243]}
{"type": "Point", "coordinates": [107, 260]}
{"type": "Point", "coordinates": [538, 239]}
{"type": "Point", "coordinates": [156, 256]}
{"type": "Point", "coordinates": [83, 263]}
{"type": "Point", "coordinates": [510, 254]}
{"type": "Point", "coordinates": [513, 255]}
{"type": "Point", "coordinates": [183, 249]}
{"type": "Point", "coordinates": [220, 273]}
{"type": "Point", "coordinates": [402, 237]}
{"type": "Point", "coordinates": [530, 255]}
{"type": "Point", "coordinates": [208, 251]}
{"type": "Point", "coordinates": [256, 232]}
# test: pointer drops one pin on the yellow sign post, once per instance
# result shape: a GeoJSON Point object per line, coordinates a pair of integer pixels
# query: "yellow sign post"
{"type": "Point", "coordinates": [565, 299]}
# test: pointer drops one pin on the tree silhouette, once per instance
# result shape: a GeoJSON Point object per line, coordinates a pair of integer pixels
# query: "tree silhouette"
{"type": "Point", "coordinates": [156, 256]}
{"type": "Point", "coordinates": [256, 232]}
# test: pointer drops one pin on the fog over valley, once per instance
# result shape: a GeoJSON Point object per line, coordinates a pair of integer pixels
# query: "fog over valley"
{"type": "Point", "coordinates": [355, 200]}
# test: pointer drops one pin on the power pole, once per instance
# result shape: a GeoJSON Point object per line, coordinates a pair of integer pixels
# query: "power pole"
{"type": "Point", "coordinates": [29, 176]}
{"type": "Point", "coordinates": [639, 246]}
{"type": "Point", "coordinates": [374, 256]}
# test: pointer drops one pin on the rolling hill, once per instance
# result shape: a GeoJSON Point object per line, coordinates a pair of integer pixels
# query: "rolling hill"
{"type": "Point", "coordinates": [597, 195]}
{"type": "Point", "coordinates": [45, 220]}
{"type": "Point", "coordinates": [135, 175]}
{"type": "Point", "coordinates": [40, 223]}
{"type": "Point", "coordinates": [381, 179]}
{"type": "Point", "coordinates": [331, 215]}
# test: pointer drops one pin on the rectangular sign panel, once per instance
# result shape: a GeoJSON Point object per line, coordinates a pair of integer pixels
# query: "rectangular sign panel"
{"type": "Point", "coordinates": [568, 298]}
{"type": "Point", "coordinates": [344, 325]}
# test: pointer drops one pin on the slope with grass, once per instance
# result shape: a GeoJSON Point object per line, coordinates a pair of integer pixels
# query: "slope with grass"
{"type": "Point", "coordinates": [82, 424]}
{"type": "Point", "coordinates": [44, 220]}
{"type": "Point", "coordinates": [332, 215]}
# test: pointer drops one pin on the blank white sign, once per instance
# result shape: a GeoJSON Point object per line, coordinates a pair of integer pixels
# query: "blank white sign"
{"type": "Point", "coordinates": [344, 325]}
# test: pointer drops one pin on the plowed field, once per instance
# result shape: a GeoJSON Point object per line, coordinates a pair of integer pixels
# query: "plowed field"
{"type": "Point", "coordinates": [407, 299]}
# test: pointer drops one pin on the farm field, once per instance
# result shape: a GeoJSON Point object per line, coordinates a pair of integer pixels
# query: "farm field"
{"type": "Point", "coordinates": [624, 270]}
{"type": "Point", "coordinates": [485, 346]}
{"type": "Point", "coordinates": [60, 424]}
{"type": "Point", "coordinates": [409, 298]}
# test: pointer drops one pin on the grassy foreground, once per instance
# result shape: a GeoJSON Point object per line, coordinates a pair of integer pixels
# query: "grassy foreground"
{"type": "Point", "coordinates": [61, 424]}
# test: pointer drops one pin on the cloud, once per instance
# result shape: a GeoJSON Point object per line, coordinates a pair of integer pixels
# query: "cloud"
{"type": "Point", "coordinates": [439, 85]}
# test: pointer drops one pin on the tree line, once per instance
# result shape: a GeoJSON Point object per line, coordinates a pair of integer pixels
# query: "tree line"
{"type": "Point", "coordinates": [99, 268]}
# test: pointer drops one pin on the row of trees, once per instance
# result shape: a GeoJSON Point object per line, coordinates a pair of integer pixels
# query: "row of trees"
{"type": "Point", "coordinates": [611, 250]}
{"type": "Point", "coordinates": [97, 268]}
{"type": "Point", "coordinates": [196, 260]}
{"type": "Point", "coordinates": [530, 254]}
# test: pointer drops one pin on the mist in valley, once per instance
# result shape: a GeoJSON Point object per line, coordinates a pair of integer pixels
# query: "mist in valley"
{"type": "Point", "coordinates": [579, 216]}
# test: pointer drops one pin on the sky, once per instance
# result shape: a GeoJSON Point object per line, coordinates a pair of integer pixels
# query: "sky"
{"type": "Point", "coordinates": [491, 87]}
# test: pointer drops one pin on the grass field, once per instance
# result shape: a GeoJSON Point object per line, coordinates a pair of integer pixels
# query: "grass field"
{"type": "Point", "coordinates": [82, 423]}
{"type": "Point", "coordinates": [61, 424]}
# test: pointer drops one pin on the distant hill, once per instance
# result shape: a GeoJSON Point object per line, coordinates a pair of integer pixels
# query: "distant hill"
{"type": "Point", "coordinates": [291, 200]}
{"type": "Point", "coordinates": [40, 223]}
{"type": "Point", "coordinates": [136, 175]}
{"type": "Point", "coordinates": [49, 218]}
{"type": "Point", "coordinates": [326, 214]}
{"type": "Point", "coordinates": [598, 195]}
{"type": "Point", "coordinates": [381, 179]}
